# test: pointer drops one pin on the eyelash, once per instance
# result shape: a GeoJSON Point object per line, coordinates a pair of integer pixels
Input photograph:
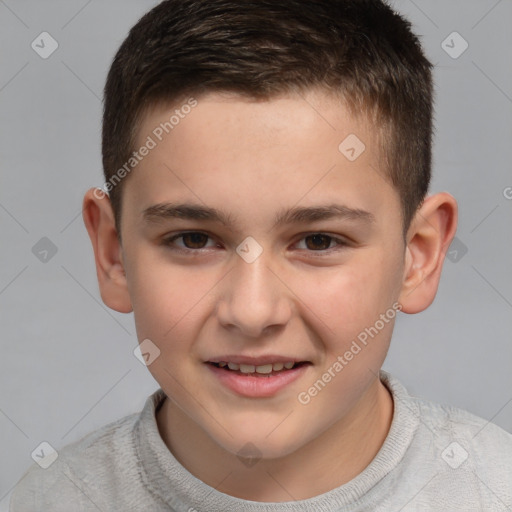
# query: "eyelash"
{"type": "Point", "coordinates": [341, 243]}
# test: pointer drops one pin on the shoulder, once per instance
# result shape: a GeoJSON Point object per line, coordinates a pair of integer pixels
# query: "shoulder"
{"type": "Point", "coordinates": [474, 457]}
{"type": "Point", "coordinates": [448, 423]}
{"type": "Point", "coordinates": [83, 473]}
{"type": "Point", "coordinates": [484, 440]}
{"type": "Point", "coordinates": [455, 459]}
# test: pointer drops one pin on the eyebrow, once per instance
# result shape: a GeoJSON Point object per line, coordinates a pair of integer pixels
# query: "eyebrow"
{"type": "Point", "coordinates": [296, 215]}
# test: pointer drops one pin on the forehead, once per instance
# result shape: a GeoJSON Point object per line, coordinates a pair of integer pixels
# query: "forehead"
{"type": "Point", "coordinates": [311, 110]}
{"type": "Point", "coordinates": [258, 155]}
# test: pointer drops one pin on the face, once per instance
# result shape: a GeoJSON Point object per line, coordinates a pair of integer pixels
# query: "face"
{"type": "Point", "coordinates": [251, 237]}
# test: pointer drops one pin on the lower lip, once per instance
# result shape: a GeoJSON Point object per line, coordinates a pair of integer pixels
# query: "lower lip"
{"type": "Point", "coordinates": [257, 387]}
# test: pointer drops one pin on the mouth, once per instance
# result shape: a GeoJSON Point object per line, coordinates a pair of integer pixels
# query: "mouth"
{"type": "Point", "coordinates": [258, 370]}
{"type": "Point", "coordinates": [262, 377]}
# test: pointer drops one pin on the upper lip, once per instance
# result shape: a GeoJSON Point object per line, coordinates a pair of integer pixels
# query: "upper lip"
{"type": "Point", "coordinates": [256, 361]}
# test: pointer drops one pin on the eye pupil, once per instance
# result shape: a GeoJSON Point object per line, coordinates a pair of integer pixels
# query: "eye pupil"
{"type": "Point", "coordinates": [318, 240]}
{"type": "Point", "coordinates": [196, 238]}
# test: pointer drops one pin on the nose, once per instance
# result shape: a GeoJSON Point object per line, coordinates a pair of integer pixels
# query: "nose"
{"type": "Point", "coordinates": [253, 299]}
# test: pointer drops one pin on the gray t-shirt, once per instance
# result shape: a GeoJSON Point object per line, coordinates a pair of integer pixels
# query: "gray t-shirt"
{"type": "Point", "coordinates": [435, 458]}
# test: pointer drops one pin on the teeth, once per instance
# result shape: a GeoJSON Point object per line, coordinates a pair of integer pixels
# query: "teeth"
{"type": "Point", "coordinates": [264, 368]}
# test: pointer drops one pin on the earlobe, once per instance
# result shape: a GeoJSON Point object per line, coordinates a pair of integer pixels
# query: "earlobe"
{"type": "Point", "coordinates": [430, 234]}
{"type": "Point", "coordinates": [99, 221]}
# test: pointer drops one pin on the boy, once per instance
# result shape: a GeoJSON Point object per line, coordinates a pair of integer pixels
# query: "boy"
{"type": "Point", "coordinates": [267, 165]}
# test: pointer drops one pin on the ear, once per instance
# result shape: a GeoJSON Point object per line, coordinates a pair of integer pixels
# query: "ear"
{"type": "Point", "coordinates": [428, 238]}
{"type": "Point", "coordinates": [108, 253]}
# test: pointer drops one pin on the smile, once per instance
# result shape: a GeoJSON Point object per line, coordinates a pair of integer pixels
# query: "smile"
{"type": "Point", "coordinates": [264, 369]}
{"type": "Point", "coordinates": [256, 380]}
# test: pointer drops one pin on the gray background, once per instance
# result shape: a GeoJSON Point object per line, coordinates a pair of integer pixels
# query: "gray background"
{"type": "Point", "coordinates": [67, 364]}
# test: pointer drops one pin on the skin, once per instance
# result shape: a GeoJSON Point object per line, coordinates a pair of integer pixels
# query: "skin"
{"type": "Point", "coordinates": [252, 159]}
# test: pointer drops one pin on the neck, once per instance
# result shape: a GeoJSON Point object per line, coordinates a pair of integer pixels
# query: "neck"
{"type": "Point", "coordinates": [332, 459]}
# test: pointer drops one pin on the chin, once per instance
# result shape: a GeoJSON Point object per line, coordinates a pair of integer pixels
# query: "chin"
{"type": "Point", "coordinates": [252, 444]}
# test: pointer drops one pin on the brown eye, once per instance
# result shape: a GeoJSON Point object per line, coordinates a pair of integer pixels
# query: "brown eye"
{"type": "Point", "coordinates": [319, 242]}
{"type": "Point", "coordinates": [194, 240]}
{"type": "Point", "coordinates": [191, 240]}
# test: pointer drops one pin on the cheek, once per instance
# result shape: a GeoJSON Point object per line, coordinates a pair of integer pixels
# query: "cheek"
{"type": "Point", "coordinates": [168, 304]}
{"type": "Point", "coordinates": [166, 298]}
{"type": "Point", "coordinates": [161, 290]}
{"type": "Point", "coordinates": [344, 300]}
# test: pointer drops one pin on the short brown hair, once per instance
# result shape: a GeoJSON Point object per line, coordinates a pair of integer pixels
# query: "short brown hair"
{"type": "Point", "coordinates": [359, 49]}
